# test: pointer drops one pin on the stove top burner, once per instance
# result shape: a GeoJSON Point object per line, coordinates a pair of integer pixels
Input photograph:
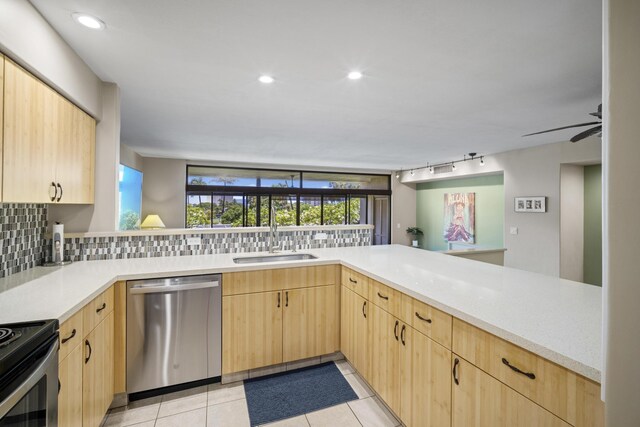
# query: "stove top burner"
{"type": "Point", "coordinates": [7, 336]}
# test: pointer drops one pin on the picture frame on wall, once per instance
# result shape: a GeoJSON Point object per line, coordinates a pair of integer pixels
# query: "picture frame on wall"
{"type": "Point", "coordinates": [535, 204]}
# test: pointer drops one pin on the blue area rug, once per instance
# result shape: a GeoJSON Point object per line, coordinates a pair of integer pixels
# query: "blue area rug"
{"type": "Point", "coordinates": [292, 393]}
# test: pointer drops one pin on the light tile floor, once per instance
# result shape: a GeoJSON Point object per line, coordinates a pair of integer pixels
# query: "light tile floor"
{"type": "Point", "coordinates": [219, 405]}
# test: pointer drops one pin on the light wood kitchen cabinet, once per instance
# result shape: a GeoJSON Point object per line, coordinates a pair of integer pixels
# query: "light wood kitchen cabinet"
{"type": "Point", "coordinates": [425, 380]}
{"type": "Point", "coordinates": [70, 394]}
{"type": "Point", "coordinates": [97, 373]}
{"type": "Point", "coordinates": [48, 144]}
{"type": "Point", "coordinates": [385, 356]}
{"type": "Point", "coordinates": [479, 400]}
{"type": "Point", "coordinates": [354, 331]}
{"type": "Point", "coordinates": [566, 394]}
{"type": "Point", "coordinates": [279, 315]}
{"type": "Point", "coordinates": [309, 322]}
{"type": "Point", "coordinates": [251, 331]}
{"type": "Point", "coordinates": [1, 118]}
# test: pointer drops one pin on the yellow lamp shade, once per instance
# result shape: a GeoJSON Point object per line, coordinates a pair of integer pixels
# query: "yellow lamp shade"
{"type": "Point", "coordinates": [152, 221]}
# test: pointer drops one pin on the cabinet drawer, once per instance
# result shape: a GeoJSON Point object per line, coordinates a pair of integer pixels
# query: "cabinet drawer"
{"type": "Point", "coordinates": [566, 394]}
{"type": "Point", "coordinates": [430, 321]}
{"type": "Point", "coordinates": [71, 334]}
{"type": "Point", "coordinates": [358, 283]}
{"type": "Point", "coordinates": [247, 282]}
{"type": "Point", "coordinates": [97, 310]}
{"type": "Point", "coordinates": [386, 298]}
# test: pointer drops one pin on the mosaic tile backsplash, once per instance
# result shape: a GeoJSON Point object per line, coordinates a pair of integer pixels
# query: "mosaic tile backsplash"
{"type": "Point", "coordinates": [118, 247]}
{"type": "Point", "coordinates": [22, 236]}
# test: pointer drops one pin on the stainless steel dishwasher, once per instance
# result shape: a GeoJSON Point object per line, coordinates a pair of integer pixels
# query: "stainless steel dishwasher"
{"type": "Point", "coordinates": [174, 331]}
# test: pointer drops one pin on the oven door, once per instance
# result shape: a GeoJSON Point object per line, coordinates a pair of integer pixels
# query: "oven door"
{"type": "Point", "coordinates": [32, 398]}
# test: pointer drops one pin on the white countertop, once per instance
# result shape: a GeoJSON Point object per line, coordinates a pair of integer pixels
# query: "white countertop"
{"type": "Point", "coordinates": [557, 319]}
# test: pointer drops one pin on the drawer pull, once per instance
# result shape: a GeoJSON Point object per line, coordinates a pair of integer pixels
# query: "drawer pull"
{"type": "Point", "coordinates": [422, 318]}
{"type": "Point", "coordinates": [395, 330]}
{"type": "Point", "coordinates": [352, 280]}
{"type": "Point", "coordinates": [404, 327]}
{"type": "Point", "coordinates": [88, 344]}
{"type": "Point", "coordinates": [382, 296]}
{"type": "Point", "coordinates": [364, 304]}
{"type": "Point", "coordinates": [286, 304]}
{"type": "Point", "coordinates": [102, 307]}
{"type": "Point", "coordinates": [278, 299]}
{"type": "Point", "coordinates": [73, 334]}
{"type": "Point", "coordinates": [456, 362]}
{"type": "Point", "coordinates": [513, 368]}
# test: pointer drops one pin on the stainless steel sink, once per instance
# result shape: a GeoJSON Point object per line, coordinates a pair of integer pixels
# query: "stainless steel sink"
{"type": "Point", "coordinates": [273, 258]}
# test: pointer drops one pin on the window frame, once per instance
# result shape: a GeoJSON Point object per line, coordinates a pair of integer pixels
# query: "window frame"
{"type": "Point", "coordinates": [259, 192]}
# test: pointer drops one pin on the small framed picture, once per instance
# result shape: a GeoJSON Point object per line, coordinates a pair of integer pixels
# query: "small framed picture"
{"type": "Point", "coordinates": [530, 204]}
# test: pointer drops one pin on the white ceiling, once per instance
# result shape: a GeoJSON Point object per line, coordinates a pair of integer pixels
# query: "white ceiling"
{"type": "Point", "coordinates": [442, 78]}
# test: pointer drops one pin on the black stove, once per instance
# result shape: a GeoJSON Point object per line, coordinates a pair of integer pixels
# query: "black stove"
{"type": "Point", "coordinates": [19, 343]}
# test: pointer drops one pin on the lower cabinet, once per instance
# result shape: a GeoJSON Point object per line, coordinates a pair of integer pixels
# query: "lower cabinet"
{"type": "Point", "coordinates": [479, 400]}
{"type": "Point", "coordinates": [310, 323]}
{"type": "Point", "coordinates": [385, 356]}
{"type": "Point", "coordinates": [354, 331]}
{"type": "Point", "coordinates": [251, 331]}
{"type": "Point", "coordinates": [267, 328]}
{"type": "Point", "coordinates": [86, 371]}
{"type": "Point", "coordinates": [426, 381]}
{"type": "Point", "coordinates": [410, 371]}
{"type": "Point", "coordinates": [70, 394]}
{"type": "Point", "coordinates": [97, 373]}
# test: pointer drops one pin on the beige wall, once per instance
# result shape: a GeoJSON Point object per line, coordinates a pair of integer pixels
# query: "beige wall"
{"type": "Point", "coordinates": [29, 40]}
{"type": "Point", "coordinates": [130, 158]}
{"type": "Point", "coordinates": [163, 190]}
{"type": "Point", "coordinates": [528, 172]}
{"type": "Point", "coordinates": [403, 211]}
{"type": "Point", "coordinates": [621, 176]}
{"type": "Point", "coordinates": [572, 222]}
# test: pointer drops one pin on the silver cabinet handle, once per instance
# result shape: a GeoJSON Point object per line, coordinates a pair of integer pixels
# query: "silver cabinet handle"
{"type": "Point", "coordinates": [60, 196]}
{"type": "Point", "coordinates": [153, 289]}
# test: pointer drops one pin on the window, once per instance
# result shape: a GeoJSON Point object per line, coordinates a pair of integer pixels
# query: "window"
{"type": "Point", "coordinates": [235, 197]}
{"type": "Point", "coordinates": [130, 198]}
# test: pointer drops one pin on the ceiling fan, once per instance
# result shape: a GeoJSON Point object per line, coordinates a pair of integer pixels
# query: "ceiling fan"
{"type": "Point", "coordinates": [582, 135]}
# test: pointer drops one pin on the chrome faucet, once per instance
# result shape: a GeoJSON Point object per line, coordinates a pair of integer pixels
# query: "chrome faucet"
{"type": "Point", "coordinates": [274, 239]}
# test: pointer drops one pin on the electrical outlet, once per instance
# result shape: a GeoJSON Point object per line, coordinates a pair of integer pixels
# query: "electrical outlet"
{"type": "Point", "coordinates": [513, 230]}
{"type": "Point", "coordinates": [320, 236]}
{"type": "Point", "coordinates": [398, 226]}
{"type": "Point", "coordinates": [194, 241]}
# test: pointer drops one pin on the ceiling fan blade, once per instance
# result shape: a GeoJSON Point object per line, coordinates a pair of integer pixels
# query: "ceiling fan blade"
{"type": "Point", "coordinates": [598, 113]}
{"type": "Point", "coordinates": [564, 127]}
{"type": "Point", "coordinates": [587, 133]}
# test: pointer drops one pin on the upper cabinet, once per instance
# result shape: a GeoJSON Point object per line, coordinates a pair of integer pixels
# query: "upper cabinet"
{"type": "Point", "coordinates": [49, 144]}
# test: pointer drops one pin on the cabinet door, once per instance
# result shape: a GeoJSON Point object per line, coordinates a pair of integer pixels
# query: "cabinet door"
{"type": "Point", "coordinates": [426, 381]}
{"type": "Point", "coordinates": [76, 153]}
{"type": "Point", "coordinates": [97, 373]}
{"type": "Point", "coordinates": [479, 400]}
{"type": "Point", "coordinates": [354, 336]}
{"type": "Point", "coordinates": [30, 137]}
{"type": "Point", "coordinates": [251, 331]}
{"type": "Point", "coordinates": [310, 322]}
{"type": "Point", "coordinates": [70, 395]}
{"type": "Point", "coordinates": [385, 356]}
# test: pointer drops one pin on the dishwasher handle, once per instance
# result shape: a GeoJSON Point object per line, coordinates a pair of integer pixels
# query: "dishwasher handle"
{"type": "Point", "coordinates": [154, 289]}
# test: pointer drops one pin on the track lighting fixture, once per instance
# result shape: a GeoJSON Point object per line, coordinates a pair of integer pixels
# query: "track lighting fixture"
{"type": "Point", "coordinates": [432, 167]}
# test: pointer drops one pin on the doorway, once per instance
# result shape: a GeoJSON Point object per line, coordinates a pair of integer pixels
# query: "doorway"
{"type": "Point", "coordinates": [381, 220]}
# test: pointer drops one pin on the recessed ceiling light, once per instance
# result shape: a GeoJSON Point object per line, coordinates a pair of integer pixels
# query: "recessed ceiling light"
{"type": "Point", "coordinates": [88, 21]}
{"type": "Point", "coordinates": [355, 75]}
{"type": "Point", "coordinates": [265, 79]}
